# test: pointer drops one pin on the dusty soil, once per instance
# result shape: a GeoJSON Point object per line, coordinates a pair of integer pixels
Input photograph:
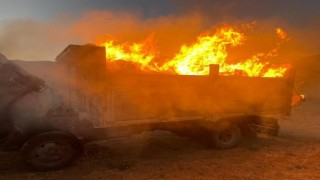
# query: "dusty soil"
{"type": "Point", "coordinates": [168, 157]}
{"type": "Point", "coordinates": [295, 154]}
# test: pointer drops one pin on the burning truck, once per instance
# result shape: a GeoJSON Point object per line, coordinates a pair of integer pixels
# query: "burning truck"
{"type": "Point", "coordinates": [95, 102]}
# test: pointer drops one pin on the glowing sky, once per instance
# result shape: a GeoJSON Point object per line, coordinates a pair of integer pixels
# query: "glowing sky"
{"type": "Point", "coordinates": [38, 29]}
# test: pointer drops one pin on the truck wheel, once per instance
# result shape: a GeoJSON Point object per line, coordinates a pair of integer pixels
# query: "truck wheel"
{"type": "Point", "coordinates": [49, 151]}
{"type": "Point", "coordinates": [225, 135]}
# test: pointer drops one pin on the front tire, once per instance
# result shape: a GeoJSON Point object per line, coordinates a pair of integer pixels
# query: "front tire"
{"type": "Point", "coordinates": [49, 151]}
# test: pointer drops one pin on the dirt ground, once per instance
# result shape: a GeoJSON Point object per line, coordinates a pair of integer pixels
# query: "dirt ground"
{"type": "Point", "coordinates": [164, 156]}
{"type": "Point", "coordinates": [295, 154]}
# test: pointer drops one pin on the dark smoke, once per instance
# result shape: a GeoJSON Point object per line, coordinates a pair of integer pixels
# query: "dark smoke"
{"type": "Point", "coordinates": [300, 18]}
{"type": "Point", "coordinates": [294, 12]}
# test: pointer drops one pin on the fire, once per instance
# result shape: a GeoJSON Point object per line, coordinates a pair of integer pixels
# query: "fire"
{"type": "Point", "coordinates": [134, 53]}
{"type": "Point", "coordinates": [195, 59]}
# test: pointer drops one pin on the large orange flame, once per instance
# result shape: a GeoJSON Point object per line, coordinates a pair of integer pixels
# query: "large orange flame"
{"type": "Point", "coordinates": [195, 59]}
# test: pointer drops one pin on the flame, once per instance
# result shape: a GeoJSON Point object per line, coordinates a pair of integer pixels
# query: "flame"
{"type": "Point", "coordinates": [195, 59]}
{"type": "Point", "coordinates": [129, 52]}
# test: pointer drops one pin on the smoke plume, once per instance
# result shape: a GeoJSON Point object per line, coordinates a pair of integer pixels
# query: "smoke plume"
{"type": "Point", "coordinates": [38, 40]}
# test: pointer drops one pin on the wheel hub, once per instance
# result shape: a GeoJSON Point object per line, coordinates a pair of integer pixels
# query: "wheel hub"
{"type": "Point", "coordinates": [226, 136]}
{"type": "Point", "coordinates": [50, 152]}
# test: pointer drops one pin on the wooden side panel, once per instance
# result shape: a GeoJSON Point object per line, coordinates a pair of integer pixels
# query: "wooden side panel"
{"type": "Point", "coordinates": [256, 96]}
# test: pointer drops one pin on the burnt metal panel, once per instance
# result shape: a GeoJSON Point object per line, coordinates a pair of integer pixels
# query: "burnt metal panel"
{"type": "Point", "coordinates": [128, 97]}
{"type": "Point", "coordinates": [87, 62]}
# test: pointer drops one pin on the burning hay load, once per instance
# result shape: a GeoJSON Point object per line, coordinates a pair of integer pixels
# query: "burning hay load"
{"type": "Point", "coordinates": [195, 59]}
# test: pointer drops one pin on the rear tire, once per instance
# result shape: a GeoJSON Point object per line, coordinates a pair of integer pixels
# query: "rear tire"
{"type": "Point", "coordinates": [225, 135]}
{"type": "Point", "coordinates": [50, 151]}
